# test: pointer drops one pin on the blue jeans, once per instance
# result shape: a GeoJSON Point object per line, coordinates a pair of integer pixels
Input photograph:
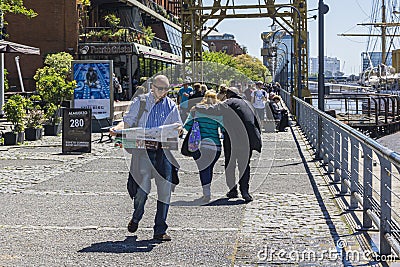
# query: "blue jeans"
{"type": "Point", "coordinates": [153, 163]}
{"type": "Point", "coordinates": [205, 160]}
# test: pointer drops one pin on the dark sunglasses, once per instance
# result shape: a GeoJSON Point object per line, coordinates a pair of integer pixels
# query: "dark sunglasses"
{"type": "Point", "coordinates": [161, 88]}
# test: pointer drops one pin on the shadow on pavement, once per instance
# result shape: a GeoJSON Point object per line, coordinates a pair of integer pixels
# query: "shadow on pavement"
{"type": "Point", "coordinates": [129, 245]}
{"type": "Point", "coordinates": [218, 202]}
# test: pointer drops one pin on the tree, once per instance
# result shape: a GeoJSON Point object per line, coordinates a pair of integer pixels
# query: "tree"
{"type": "Point", "coordinates": [220, 58]}
{"type": "Point", "coordinates": [244, 66]}
{"type": "Point", "coordinates": [251, 66]}
{"type": "Point", "coordinates": [220, 69]}
{"type": "Point", "coordinates": [16, 7]}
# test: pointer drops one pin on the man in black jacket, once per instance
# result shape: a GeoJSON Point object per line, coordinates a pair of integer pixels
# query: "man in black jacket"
{"type": "Point", "coordinates": [242, 135]}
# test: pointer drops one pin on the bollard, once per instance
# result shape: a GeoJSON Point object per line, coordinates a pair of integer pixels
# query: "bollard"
{"type": "Point", "coordinates": [367, 185]}
{"type": "Point", "coordinates": [337, 156]}
{"type": "Point", "coordinates": [386, 203]}
{"type": "Point", "coordinates": [344, 164]}
{"type": "Point", "coordinates": [355, 159]}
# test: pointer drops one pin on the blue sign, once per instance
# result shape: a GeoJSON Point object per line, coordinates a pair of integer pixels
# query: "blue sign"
{"type": "Point", "coordinates": [94, 86]}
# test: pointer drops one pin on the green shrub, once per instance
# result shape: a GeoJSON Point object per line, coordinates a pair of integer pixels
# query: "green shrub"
{"type": "Point", "coordinates": [54, 85]}
{"type": "Point", "coordinates": [15, 110]}
{"type": "Point", "coordinates": [35, 116]}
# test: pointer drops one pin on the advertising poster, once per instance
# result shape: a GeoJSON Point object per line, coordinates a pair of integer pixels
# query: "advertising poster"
{"type": "Point", "coordinates": [94, 86]}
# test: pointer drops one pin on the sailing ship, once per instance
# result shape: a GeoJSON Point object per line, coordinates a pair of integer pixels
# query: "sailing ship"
{"type": "Point", "coordinates": [382, 75]}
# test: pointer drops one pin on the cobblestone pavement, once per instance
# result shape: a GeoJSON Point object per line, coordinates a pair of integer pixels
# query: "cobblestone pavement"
{"type": "Point", "coordinates": [72, 210]}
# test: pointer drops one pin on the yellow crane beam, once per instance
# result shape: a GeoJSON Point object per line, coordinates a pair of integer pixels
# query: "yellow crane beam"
{"type": "Point", "coordinates": [195, 15]}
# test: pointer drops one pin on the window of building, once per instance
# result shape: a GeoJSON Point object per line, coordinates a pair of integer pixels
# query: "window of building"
{"type": "Point", "coordinates": [174, 38]}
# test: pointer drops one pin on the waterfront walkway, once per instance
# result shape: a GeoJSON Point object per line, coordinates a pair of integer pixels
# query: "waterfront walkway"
{"type": "Point", "coordinates": [72, 210]}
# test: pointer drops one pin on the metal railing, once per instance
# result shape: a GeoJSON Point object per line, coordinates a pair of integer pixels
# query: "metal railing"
{"type": "Point", "coordinates": [365, 170]}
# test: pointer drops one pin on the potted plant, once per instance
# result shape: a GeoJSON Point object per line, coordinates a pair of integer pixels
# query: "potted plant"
{"type": "Point", "coordinates": [34, 119]}
{"type": "Point", "coordinates": [54, 85]}
{"type": "Point", "coordinates": [105, 35]}
{"type": "Point", "coordinates": [112, 20]}
{"type": "Point", "coordinates": [148, 34]}
{"type": "Point", "coordinates": [15, 112]}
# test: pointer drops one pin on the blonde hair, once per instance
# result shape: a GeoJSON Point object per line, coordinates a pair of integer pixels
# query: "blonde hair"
{"type": "Point", "coordinates": [210, 97]}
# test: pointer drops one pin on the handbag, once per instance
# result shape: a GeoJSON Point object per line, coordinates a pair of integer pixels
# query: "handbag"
{"type": "Point", "coordinates": [192, 140]}
{"type": "Point", "coordinates": [194, 137]}
{"type": "Point", "coordinates": [185, 145]}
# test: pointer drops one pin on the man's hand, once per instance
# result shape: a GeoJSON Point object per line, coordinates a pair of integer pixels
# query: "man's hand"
{"type": "Point", "coordinates": [119, 126]}
{"type": "Point", "coordinates": [180, 130]}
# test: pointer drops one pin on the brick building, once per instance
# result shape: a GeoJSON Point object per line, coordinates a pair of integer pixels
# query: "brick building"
{"type": "Point", "coordinates": [69, 26]}
{"type": "Point", "coordinates": [223, 42]}
{"type": "Point", "coordinates": [54, 29]}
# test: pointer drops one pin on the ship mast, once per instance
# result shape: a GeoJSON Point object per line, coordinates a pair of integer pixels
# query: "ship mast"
{"type": "Point", "coordinates": [383, 32]}
{"type": "Point", "coordinates": [383, 25]}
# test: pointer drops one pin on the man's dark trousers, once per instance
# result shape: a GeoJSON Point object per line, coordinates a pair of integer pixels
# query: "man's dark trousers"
{"type": "Point", "coordinates": [242, 158]}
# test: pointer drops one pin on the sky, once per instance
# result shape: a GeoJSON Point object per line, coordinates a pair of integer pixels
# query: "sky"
{"type": "Point", "coordinates": [343, 17]}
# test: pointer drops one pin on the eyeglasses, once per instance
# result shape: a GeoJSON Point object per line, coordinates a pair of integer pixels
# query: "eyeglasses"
{"type": "Point", "coordinates": [161, 88]}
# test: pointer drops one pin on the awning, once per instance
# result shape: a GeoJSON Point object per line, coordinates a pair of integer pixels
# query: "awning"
{"type": "Point", "coordinates": [153, 53]}
{"type": "Point", "coordinates": [10, 47]}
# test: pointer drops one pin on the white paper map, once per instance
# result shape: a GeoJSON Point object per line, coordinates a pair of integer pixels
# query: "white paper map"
{"type": "Point", "coordinates": [149, 138]}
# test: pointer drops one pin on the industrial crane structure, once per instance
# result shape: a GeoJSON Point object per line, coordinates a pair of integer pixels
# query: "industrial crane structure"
{"type": "Point", "coordinates": [291, 17]}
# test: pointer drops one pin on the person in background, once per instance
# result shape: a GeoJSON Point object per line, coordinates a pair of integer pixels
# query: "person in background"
{"type": "Point", "coordinates": [277, 88]}
{"type": "Point", "coordinates": [247, 93]}
{"type": "Point", "coordinates": [125, 88]}
{"type": "Point", "coordinates": [197, 95]}
{"type": "Point", "coordinates": [183, 97]}
{"type": "Point", "coordinates": [117, 88]}
{"type": "Point", "coordinates": [280, 114]}
{"type": "Point", "coordinates": [258, 98]}
{"type": "Point", "coordinates": [210, 147]}
{"type": "Point", "coordinates": [222, 92]}
{"type": "Point", "coordinates": [276, 107]}
{"type": "Point", "coordinates": [152, 162]}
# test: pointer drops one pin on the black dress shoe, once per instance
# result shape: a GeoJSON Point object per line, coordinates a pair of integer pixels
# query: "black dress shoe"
{"type": "Point", "coordinates": [162, 237]}
{"type": "Point", "coordinates": [232, 194]}
{"type": "Point", "coordinates": [132, 226]}
{"type": "Point", "coordinates": [247, 197]}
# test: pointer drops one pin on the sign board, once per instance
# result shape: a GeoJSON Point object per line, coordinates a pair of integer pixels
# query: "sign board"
{"type": "Point", "coordinates": [94, 88]}
{"type": "Point", "coordinates": [77, 130]}
{"type": "Point", "coordinates": [107, 49]}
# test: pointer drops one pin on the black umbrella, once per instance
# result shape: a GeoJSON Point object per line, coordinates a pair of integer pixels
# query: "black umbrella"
{"type": "Point", "coordinates": [10, 47]}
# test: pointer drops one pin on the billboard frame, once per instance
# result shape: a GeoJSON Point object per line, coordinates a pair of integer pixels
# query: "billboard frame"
{"type": "Point", "coordinates": [96, 63]}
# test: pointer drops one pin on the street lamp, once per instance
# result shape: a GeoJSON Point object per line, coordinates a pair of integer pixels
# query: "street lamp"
{"type": "Point", "coordinates": [322, 10]}
{"type": "Point", "coordinates": [2, 99]}
{"type": "Point", "coordinates": [291, 57]}
{"type": "Point", "coordinates": [280, 69]}
{"type": "Point", "coordinates": [299, 84]}
{"type": "Point", "coordinates": [285, 66]}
